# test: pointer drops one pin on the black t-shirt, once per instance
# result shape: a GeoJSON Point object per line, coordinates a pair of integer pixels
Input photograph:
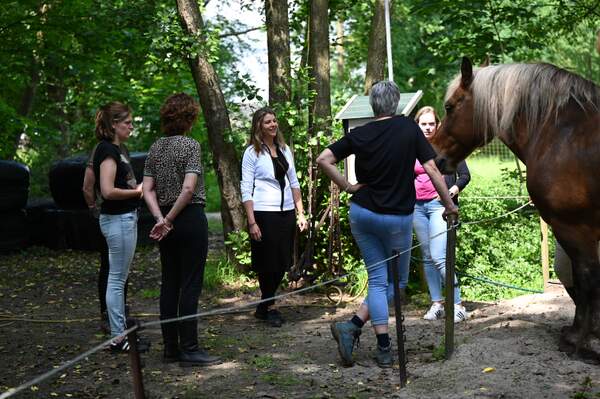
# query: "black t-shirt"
{"type": "Point", "coordinates": [124, 178]}
{"type": "Point", "coordinates": [385, 152]}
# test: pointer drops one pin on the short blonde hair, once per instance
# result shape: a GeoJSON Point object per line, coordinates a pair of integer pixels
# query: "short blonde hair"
{"type": "Point", "coordinates": [426, 110]}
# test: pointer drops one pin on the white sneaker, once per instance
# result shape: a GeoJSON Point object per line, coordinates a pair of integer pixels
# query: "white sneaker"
{"type": "Point", "coordinates": [460, 313]}
{"type": "Point", "coordinates": [435, 312]}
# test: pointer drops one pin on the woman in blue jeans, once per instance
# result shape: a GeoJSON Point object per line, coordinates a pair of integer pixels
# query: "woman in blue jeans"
{"type": "Point", "coordinates": [118, 212]}
{"type": "Point", "coordinates": [381, 209]}
{"type": "Point", "coordinates": [430, 226]}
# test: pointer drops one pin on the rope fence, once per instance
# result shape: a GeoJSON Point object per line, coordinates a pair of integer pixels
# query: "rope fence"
{"type": "Point", "coordinates": [141, 325]}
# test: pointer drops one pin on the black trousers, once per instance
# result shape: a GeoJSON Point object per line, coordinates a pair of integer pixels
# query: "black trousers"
{"type": "Point", "coordinates": [103, 276]}
{"type": "Point", "coordinates": [272, 255]}
{"type": "Point", "coordinates": [183, 257]}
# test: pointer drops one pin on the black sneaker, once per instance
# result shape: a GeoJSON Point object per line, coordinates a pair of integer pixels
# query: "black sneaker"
{"type": "Point", "coordinates": [274, 318]}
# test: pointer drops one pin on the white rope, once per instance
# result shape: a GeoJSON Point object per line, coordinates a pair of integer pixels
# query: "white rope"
{"type": "Point", "coordinates": [12, 391]}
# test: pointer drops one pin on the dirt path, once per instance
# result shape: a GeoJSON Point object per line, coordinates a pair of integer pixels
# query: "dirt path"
{"type": "Point", "coordinates": [515, 340]}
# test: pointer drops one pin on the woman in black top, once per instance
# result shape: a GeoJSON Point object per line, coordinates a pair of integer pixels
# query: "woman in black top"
{"type": "Point", "coordinates": [381, 207]}
{"type": "Point", "coordinates": [174, 193]}
{"type": "Point", "coordinates": [118, 212]}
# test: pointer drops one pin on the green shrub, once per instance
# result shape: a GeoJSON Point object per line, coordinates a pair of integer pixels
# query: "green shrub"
{"type": "Point", "coordinates": [506, 249]}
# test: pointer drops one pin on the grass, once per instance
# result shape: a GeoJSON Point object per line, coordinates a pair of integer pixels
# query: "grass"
{"type": "Point", "coordinates": [489, 168]}
{"type": "Point", "coordinates": [220, 272]}
{"type": "Point", "coordinates": [263, 362]}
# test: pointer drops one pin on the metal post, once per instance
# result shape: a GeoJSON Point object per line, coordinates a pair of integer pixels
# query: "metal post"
{"type": "Point", "coordinates": [449, 305]}
{"type": "Point", "coordinates": [136, 367]}
{"type": "Point", "coordinates": [388, 40]}
{"type": "Point", "coordinates": [393, 270]}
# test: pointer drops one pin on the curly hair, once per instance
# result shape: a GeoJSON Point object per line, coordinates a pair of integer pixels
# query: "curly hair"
{"type": "Point", "coordinates": [256, 132]}
{"type": "Point", "coordinates": [107, 115]}
{"type": "Point", "coordinates": [178, 114]}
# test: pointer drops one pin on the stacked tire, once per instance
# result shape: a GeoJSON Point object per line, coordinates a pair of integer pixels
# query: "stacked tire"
{"type": "Point", "coordinates": [14, 184]}
{"type": "Point", "coordinates": [75, 227]}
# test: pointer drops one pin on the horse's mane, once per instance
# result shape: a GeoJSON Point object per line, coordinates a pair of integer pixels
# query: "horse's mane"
{"type": "Point", "coordinates": [532, 92]}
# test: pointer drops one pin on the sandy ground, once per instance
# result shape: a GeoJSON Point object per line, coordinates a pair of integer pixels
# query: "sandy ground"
{"type": "Point", "coordinates": [505, 350]}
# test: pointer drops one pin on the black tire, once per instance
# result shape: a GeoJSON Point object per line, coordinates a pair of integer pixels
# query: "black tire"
{"type": "Point", "coordinates": [13, 231]}
{"type": "Point", "coordinates": [66, 181]}
{"type": "Point", "coordinates": [71, 228]}
{"type": "Point", "coordinates": [138, 159]}
{"type": "Point", "coordinates": [14, 181]}
{"type": "Point", "coordinates": [39, 231]}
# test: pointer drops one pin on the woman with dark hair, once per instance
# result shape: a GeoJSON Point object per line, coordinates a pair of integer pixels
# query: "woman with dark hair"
{"type": "Point", "coordinates": [174, 193]}
{"type": "Point", "coordinates": [270, 192]}
{"type": "Point", "coordinates": [118, 213]}
{"type": "Point", "coordinates": [381, 208]}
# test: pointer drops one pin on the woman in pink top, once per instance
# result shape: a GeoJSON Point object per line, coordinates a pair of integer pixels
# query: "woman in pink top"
{"type": "Point", "coordinates": [428, 222]}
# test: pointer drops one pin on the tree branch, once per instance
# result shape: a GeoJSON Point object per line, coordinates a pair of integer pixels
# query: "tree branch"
{"type": "Point", "coordinates": [239, 33]}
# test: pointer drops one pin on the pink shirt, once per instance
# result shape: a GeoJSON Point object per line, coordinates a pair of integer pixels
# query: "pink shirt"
{"type": "Point", "coordinates": [423, 185]}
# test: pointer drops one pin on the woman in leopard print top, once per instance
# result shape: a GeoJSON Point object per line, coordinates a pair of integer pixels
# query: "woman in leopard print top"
{"type": "Point", "coordinates": [174, 192]}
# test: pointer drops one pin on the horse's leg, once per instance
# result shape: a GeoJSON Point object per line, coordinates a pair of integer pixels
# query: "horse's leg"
{"type": "Point", "coordinates": [583, 336]}
{"type": "Point", "coordinates": [571, 335]}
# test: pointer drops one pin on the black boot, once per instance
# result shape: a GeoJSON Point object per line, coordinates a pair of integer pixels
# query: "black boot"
{"type": "Point", "coordinates": [171, 342]}
{"type": "Point", "coordinates": [197, 357]}
{"type": "Point", "coordinates": [171, 353]}
{"type": "Point", "coordinates": [190, 354]}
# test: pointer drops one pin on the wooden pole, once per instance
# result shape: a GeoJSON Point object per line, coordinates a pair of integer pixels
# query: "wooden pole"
{"type": "Point", "coordinates": [393, 270]}
{"type": "Point", "coordinates": [136, 367]}
{"type": "Point", "coordinates": [449, 305]}
{"type": "Point", "coordinates": [545, 253]}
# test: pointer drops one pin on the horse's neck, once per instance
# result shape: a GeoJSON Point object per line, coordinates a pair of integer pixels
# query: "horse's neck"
{"type": "Point", "coordinates": [518, 142]}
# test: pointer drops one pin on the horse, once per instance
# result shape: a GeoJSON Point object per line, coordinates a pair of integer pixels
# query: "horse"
{"type": "Point", "coordinates": [550, 119]}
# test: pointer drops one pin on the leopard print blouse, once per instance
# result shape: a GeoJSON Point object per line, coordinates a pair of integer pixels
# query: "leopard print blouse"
{"type": "Point", "coordinates": [169, 159]}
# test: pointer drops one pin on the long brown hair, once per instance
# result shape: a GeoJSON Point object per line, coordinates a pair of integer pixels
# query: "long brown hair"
{"type": "Point", "coordinates": [256, 132]}
{"type": "Point", "coordinates": [107, 115]}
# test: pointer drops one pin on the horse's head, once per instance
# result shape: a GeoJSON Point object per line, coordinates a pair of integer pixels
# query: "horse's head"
{"type": "Point", "coordinates": [455, 138]}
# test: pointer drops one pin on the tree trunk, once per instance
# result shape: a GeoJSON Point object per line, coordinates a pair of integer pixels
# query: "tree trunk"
{"type": "Point", "coordinates": [377, 44]}
{"type": "Point", "coordinates": [318, 58]}
{"type": "Point", "coordinates": [278, 45]}
{"type": "Point", "coordinates": [216, 117]}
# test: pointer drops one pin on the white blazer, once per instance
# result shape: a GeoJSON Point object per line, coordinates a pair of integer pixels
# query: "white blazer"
{"type": "Point", "coordinates": [259, 184]}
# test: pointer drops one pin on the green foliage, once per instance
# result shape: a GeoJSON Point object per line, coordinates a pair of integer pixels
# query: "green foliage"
{"type": "Point", "coordinates": [219, 272]}
{"type": "Point", "coordinates": [11, 125]}
{"type": "Point", "coordinates": [239, 243]}
{"type": "Point", "coordinates": [506, 249]}
{"type": "Point", "coordinates": [263, 361]}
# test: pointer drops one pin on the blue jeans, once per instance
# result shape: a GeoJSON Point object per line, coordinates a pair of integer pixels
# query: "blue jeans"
{"type": "Point", "coordinates": [377, 235]}
{"type": "Point", "coordinates": [428, 222]}
{"type": "Point", "coordinates": [120, 232]}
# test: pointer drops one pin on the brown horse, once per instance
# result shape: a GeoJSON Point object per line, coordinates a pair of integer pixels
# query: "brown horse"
{"type": "Point", "coordinates": [550, 118]}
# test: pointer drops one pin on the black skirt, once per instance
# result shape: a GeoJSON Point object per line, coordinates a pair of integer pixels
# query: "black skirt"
{"type": "Point", "coordinates": [273, 253]}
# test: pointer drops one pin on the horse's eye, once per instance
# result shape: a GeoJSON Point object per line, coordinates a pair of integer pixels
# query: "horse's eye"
{"type": "Point", "coordinates": [448, 108]}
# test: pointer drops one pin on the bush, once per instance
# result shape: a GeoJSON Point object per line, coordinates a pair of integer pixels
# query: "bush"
{"type": "Point", "coordinates": [506, 249]}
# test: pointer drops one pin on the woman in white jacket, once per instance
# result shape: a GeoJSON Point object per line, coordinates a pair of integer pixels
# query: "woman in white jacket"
{"type": "Point", "coordinates": [273, 201]}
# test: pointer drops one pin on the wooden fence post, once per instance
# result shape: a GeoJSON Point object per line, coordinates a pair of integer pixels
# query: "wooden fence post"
{"type": "Point", "coordinates": [545, 253]}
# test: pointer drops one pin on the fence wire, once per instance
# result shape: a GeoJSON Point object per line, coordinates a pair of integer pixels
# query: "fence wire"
{"type": "Point", "coordinates": [13, 391]}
